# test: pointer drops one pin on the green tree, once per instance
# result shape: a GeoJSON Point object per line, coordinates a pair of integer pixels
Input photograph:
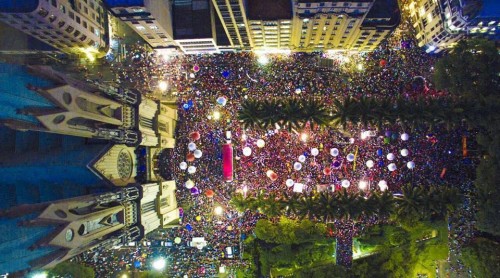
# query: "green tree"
{"type": "Point", "coordinates": [472, 67]}
{"type": "Point", "coordinates": [292, 114]}
{"type": "Point", "coordinates": [315, 113]}
{"type": "Point", "coordinates": [410, 206]}
{"type": "Point", "coordinates": [269, 114]}
{"type": "Point", "coordinates": [266, 230]}
{"type": "Point", "coordinates": [482, 257]}
{"type": "Point", "coordinates": [249, 114]}
{"type": "Point", "coordinates": [71, 270]}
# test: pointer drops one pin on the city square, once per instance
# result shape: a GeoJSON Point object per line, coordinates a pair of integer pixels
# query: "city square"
{"type": "Point", "coordinates": [376, 159]}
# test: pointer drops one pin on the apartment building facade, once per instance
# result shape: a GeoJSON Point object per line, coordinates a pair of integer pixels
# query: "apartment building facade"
{"type": "Point", "coordinates": [78, 27]}
{"type": "Point", "coordinates": [151, 19]}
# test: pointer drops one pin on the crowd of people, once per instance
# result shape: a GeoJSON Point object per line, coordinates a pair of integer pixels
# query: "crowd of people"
{"type": "Point", "coordinates": [202, 79]}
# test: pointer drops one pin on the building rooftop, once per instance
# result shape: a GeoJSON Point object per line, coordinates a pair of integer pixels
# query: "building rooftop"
{"type": "Point", "coordinates": [326, 1]}
{"type": "Point", "coordinates": [491, 8]}
{"type": "Point", "coordinates": [383, 13]}
{"type": "Point", "coordinates": [269, 10]}
{"type": "Point", "coordinates": [16, 6]}
{"type": "Point", "coordinates": [123, 3]}
{"type": "Point", "coordinates": [192, 20]}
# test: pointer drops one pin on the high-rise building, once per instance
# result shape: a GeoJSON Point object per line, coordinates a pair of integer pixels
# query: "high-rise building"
{"type": "Point", "coordinates": [436, 28]}
{"type": "Point", "coordinates": [270, 24]}
{"type": "Point", "coordinates": [485, 20]}
{"type": "Point", "coordinates": [42, 235]}
{"type": "Point", "coordinates": [232, 14]}
{"type": "Point", "coordinates": [151, 19]}
{"type": "Point", "coordinates": [80, 109]}
{"type": "Point", "coordinates": [441, 24]}
{"type": "Point", "coordinates": [346, 25]}
{"type": "Point", "coordinates": [78, 26]}
{"type": "Point", "coordinates": [194, 26]}
{"type": "Point", "coordinates": [55, 202]}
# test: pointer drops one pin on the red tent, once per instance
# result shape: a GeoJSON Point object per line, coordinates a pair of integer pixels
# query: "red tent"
{"type": "Point", "coordinates": [227, 162]}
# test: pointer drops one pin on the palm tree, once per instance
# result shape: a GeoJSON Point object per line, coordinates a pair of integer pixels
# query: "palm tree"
{"type": "Point", "coordinates": [239, 202]}
{"type": "Point", "coordinates": [249, 114]}
{"type": "Point", "coordinates": [290, 203]}
{"type": "Point", "coordinates": [441, 200]}
{"type": "Point", "coordinates": [315, 113]}
{"type": "Point", "coordinates": [381, 112]}
{"type": "Point", "coordinates": [365, 106]}
{"type": "Point", "coordinates": [349, 206]}
{"type": "Point", "coordinates": [326, 207]}
{"type": "Point", "coordinates": [340, 115]}
{"type": "Point", "coordinates": [272, 206]}
{"type": "Point", "coordinates": [411, 205]}
{"type": "Point", "coordinates": [306, 206]}
{"type": "Point", "coordinates": [292, 114]}
{"type": "Point", "coordinates": [269, 114]}
{"type": "Point", "coordinates": [385, 204]}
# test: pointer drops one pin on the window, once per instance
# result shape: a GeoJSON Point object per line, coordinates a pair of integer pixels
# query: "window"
{"type": "Point", "coordinates": [61, 24]}
{"type": "Point", "coordinates": [85, 24]}
{"type": "Point", "coordinates": [78, 19]}
{"type": "Point", "coordinates": [83, 38]}
{"type": "Point", "coordinates": [62, 8]}
{"type": "Point", "coordinates": [69, 29]}
{"type": "Point", "coordinates": [42, 12]}
{"type": "Point", "coordinates": [54, 3]}
{"type": "Point", "coordinates": [76, 33]}
{"type": "Point", "coordinates": [71, 15]}
{"type": "Point", "coordinates": [52, 18]}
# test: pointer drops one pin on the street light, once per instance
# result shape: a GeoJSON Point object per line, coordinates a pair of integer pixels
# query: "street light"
{"type": "Point", "coordinates": [263, 60]}
{"type": "Point", "coordinates": [163, 86]}
{"type": "Point", "coordinates": [42, 274]}
{"type": "Point", "coordinates": [216, 115]}
{"type": "Point", "coordinates": [218, 210]}
{"type": "Point", "coordinates": [303, 137]}
{"type": "Point", "coordinates": [159, 264]}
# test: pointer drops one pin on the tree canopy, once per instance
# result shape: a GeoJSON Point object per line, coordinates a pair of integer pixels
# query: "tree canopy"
{"type": "Point", "coordinates": [471, 68]}
{"type": "Point", "coordinates": [71, 270]}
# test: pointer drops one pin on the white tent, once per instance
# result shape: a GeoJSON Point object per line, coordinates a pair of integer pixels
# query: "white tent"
{"type": "Point", "coordinates": [298, 187]}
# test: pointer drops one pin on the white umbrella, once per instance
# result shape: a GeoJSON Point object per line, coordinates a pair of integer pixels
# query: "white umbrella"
{"type": "Point", "coordinates": [370, 163]}
{"type": "Point", "coordinates": [314, 151]}
{"type": "Point", "coordinates": [191, 169]}
{"type": "Point", "coordinates": [390, 156]}
{"type": "Point", "coordinates": [334, 152]}
{"type": "Point", "coordinates": [405, 136]}
{"type": "Point", "coordinates": [404, 152]}
{"type": "Point", "coordinates": [297, 166]}
{"type": "Point", "coordinates": [302, 158]}
{"type": "Point", "coordinates": [382, 185]}
{"type": "Point", "coordinates": [391, 167]}
{"type": "Point", "coordinates": [189, 184]}
{"type": "Point", "coordinates": [350, 157]}
{"type": "Point", "coordinates": [289, 182]}
{"type": "Point", "coordinates": [247, 151]}
{"type": "Point", "coordinates": [183, 165]}
{"type": "Point", "coordinates": [345, 183]}
{"type": "Point", "coordinates": [410, 164]}
{"type": "Point", "coordinates": [260, 143]}
{"type": "Point", "coordinates": [197, 153]}
{"type": "Point", "coordinates": [192, 146]}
